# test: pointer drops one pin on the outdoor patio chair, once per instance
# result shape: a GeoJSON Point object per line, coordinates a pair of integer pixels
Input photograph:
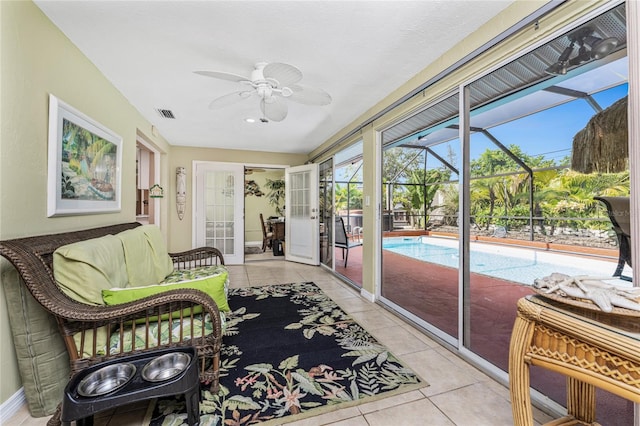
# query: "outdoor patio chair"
{"type": "Point", "coordinates": [356, 234]}
{"type": "Point", "coordinates": [341, 240]}
{"type": "Point", "coordinates": [618, 209]}
{"type": "Point", "coordinates": [266, 235]}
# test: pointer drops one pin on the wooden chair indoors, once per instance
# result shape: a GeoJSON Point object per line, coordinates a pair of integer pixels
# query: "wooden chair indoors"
{"type": "Point", "coordinates": [266, 235]}
{"type": "Point", "coordinates": [341, 240]}
{"type": "Point", "coordinates": [618, 209]}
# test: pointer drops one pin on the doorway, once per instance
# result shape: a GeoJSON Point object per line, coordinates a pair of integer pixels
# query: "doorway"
{"type": "Point", "coordinates": [347, 209]}
{"type": "Point", "coordinates": [263, 195]}
{"type": "Point", "coordinates": [147, 175]}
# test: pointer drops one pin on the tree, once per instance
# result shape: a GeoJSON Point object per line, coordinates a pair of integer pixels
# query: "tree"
{"type": "Point", "coordinates": [496, 161]}
{"type": "Point", "coordinates": [507, 192]}
{"type": "Point", "coordinates": [348, 197]}
{"type": "Point", "coordinates": [426, 185]}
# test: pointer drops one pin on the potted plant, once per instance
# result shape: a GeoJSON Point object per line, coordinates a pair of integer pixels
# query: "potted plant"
{"type": "Point", "coordinates": [276, 194]}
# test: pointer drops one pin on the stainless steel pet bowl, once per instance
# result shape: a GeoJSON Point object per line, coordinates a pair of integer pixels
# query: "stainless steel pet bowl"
{"type": "Point", "coordinates": [106, 379]}
{"type": "Point", "coordinates": [166, 366]}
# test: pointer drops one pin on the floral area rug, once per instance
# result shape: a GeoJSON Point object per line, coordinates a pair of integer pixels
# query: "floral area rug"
{"type": "Point", "coordinates": [289, 352]}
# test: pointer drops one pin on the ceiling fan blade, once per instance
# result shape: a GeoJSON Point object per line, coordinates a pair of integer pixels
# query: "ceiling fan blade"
{"type": "Point", "coordinates": [223, 75]}
{"type": "Point", "coordinates": [274, 109]}
{"type": "Point", "coordinates": [309, 95]}
{"type": "Point", "coordinates": [230, 99]}
{"type": "Point", "coordinates": [284, 74]}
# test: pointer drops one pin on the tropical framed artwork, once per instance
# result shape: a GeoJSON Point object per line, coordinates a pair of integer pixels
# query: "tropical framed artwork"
{"type": "Point", "coordinates": [85, 158]}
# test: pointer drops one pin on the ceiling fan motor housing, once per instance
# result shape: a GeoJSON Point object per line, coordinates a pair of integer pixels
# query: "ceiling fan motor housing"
{"type": "Point", "coordinates": [264, 90]}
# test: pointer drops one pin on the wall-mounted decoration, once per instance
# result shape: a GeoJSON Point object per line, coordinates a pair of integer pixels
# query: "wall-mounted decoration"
{"type": "Point", "coordinates": [84, 163]}
{"type": "Point", "coordinates": [181, 191]}
{"type": "Point", "coordinates": [156, 191]}
{"type": "Point", "coordinates": [252, 188]}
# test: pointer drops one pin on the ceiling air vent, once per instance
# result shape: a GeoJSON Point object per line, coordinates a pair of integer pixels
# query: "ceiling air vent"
{"type": "Point", "coordinates": [165, 113]}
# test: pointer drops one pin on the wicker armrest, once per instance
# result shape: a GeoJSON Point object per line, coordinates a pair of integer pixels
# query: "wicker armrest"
{"type": "Point", "coordinates": [167, 301]}
{"type": "Point", "coordinates": [201, 256]}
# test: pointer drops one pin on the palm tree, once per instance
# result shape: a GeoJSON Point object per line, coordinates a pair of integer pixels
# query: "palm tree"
{"type": "Point", "coordinates": [483, 195]}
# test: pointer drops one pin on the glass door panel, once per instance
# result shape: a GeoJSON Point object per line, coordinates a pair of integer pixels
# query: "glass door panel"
{"type": "Point", "coordinates": [302, 215]}
{"type": "Point", "coordinates": [326, 212]}
{"type": "Point", "coordinates": [220, 196]}
{"type": "Point", "coordinates": [348, 208]}
{"type": "Point", "coordinates": [532, 204]}
{"type": "Point", "coordinates": [419, 228]}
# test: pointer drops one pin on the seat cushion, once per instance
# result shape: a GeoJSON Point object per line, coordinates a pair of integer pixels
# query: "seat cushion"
{"type": "Point", "coordinates": [83, 269]}
{"type": "Point", "coordinates": [41, 355]}
{"type": "Point", "coordinates": [146, 257]}
{"type": "Point", "coordinates": [211, 280]}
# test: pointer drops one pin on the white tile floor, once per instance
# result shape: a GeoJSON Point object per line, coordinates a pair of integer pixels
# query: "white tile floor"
{"type": "Point", "coordinates": [458, 393]}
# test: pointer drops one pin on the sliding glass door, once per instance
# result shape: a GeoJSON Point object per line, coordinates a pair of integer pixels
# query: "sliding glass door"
{"type": "Point", "coordinates": [325, 174]}
{"type": "Point", "coordinates": [474, 210]}
{"type": "Point", "coordinates": [420, 217]}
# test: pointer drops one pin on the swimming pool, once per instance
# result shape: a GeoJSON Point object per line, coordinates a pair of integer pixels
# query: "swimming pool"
{"type": "Point", "coordinates": [509, 263]}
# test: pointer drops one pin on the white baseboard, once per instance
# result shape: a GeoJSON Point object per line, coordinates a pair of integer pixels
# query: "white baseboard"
{"type": "Point", "coordinates": [253, 243]}
{"type": "Point", "coordinates": [369, 296]}
{"type": "Point", "coordinates": [11, 406]}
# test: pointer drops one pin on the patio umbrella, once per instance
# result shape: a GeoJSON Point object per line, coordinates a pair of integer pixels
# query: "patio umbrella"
{"type": "Point", "coordinates": [602, 146]}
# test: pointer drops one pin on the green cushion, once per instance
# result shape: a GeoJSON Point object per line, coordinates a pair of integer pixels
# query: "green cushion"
{"type": "Point", "coordinates": [214, 286]}
{"type": "Point", "coordinates": [146, 257]}
{"type": "Point", "coordinates": [84, 269]}
{"type": "Point", "coordinates": [42, 357]}
{"type": "Point", "coordinates": [168, 332]}
{"type": "Point", "coordinates": [102, 337]}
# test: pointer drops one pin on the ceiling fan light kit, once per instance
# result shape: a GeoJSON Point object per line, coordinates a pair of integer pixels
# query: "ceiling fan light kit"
{"type": "Point", "coordinates": [271, 84]}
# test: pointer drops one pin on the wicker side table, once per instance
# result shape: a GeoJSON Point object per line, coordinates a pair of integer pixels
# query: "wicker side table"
{"type": "Point", "coordinates": [591, 348]}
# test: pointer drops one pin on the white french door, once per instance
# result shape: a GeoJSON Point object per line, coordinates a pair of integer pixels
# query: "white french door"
{"type": "Point", "coordinates": [219, 217]}
{"type": "Point", "coordinates": [302, 214]}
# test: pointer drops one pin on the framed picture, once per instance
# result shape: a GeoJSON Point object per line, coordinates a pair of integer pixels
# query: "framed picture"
{"type": "Point", "coordinates": [84, 163]}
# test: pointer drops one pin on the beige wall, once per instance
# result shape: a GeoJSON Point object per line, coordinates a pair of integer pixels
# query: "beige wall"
{"type": "Point", "coordinates": [37, 59]}
{"type": "Point", "coordinates": [180, 230]}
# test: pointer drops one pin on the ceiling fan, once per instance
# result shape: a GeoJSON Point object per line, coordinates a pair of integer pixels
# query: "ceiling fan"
{"type": "Point", "coordinates": [271, 84]}
{"type": "Point", "coordinates": [250, 171]}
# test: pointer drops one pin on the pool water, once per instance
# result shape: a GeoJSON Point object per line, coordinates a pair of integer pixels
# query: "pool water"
{"type": "Point", "coordinates": [509, 263]}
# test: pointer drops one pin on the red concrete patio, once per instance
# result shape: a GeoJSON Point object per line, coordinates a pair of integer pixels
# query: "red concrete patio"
{"type": "Point", "coordinates": [430, 291]}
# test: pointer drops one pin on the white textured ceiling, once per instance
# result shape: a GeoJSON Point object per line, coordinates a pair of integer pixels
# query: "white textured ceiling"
{"type": "Point", "coordinates": [357, 51]}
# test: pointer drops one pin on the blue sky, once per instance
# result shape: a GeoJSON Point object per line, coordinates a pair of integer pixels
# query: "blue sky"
{"type": "Point", "coordinates": [553, 130]}
{"type": "Point", "coordinates": [549, 133]}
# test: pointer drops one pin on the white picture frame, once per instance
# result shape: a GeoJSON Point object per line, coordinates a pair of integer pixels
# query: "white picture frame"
{"type": "Point", "coordinates": [84, 166]}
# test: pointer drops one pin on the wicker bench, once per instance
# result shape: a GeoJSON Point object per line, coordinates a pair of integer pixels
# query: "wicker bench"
{"type": "Point", "coordinates": [32, 257]}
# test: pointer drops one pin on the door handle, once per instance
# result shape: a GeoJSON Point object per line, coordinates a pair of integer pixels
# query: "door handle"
{"type": "Point", "coordinates": [312, 217]}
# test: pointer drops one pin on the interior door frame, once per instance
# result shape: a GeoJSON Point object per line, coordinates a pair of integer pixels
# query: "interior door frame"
{"type": "Point", "coordinates": [244, 213]}
{"type": "Point", "coordinates": [140, 140]}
